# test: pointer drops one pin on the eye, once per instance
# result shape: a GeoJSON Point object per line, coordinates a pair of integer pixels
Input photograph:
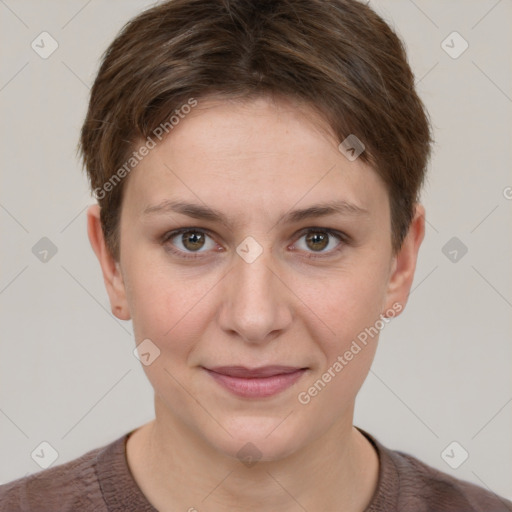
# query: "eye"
{"type": "Point", "coordinates": [320, 240]}
{"type": "Point", "coordinates": [187, 241]}
{"type": "Point", "coordinates": [190, 243]}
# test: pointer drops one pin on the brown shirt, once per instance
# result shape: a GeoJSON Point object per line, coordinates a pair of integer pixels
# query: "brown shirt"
{"type": "Point", "coordinates": [100, 481]}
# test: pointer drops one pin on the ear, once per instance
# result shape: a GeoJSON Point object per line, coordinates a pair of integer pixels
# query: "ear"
{"type": "Point", "coordinates": [111, 269]}
{"type": "Point", "coordinates": [404, 263]}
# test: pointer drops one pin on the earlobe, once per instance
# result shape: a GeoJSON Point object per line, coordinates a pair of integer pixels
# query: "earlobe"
{"type": "Point", "coordinates": [404, 263]}
{"type": "Point", "coordinates": [110, 268]}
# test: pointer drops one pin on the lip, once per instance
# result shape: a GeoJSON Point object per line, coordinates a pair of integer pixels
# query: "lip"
{"type": "Point", "coordinates": [257, 382]}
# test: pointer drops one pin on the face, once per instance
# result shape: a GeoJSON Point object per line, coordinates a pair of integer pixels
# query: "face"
{"type": "Point", "coordinates": [249, 240]}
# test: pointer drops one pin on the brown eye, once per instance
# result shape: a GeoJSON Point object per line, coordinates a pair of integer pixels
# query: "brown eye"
{"type": "Point", "coordinates": [193, 240]}
{"type": "Point", "coordinates": [317, 240]}
{"type": "Point", "coordinates": [187, 241]}
{"type": "Point", "coordinates": [323, 242]}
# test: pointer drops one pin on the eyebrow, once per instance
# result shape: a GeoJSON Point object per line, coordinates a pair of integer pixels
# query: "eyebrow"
{"type": "Point", "coordinates": [203, 212]}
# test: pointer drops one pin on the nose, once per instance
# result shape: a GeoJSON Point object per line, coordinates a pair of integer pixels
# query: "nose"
{"type": "Point", "coordinates": [256, 305]}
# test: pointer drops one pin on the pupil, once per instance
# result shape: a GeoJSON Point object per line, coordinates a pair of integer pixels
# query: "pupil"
{"type": "Point", "coordinates": [319, 240]}
{"type": "Point", "coordinates": [193, 240]}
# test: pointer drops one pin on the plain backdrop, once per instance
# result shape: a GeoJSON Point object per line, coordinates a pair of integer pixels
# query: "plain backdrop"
{"type": "Point", "coordinates": [443, 369]}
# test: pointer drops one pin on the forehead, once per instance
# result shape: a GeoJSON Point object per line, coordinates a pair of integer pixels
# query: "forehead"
{"type": "Point", "coordinates": [264, 152]}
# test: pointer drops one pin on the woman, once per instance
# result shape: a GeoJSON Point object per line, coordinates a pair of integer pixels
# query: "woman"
{"type": "Point", "coordinates": [257, 167]}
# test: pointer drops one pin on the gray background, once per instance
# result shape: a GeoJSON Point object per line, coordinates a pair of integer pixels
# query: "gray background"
{"type": "Point", "coordinates": [443, 369]}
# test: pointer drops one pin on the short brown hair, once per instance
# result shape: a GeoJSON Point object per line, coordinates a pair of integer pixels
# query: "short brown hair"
{"type": "Point", "coordinates": [337, 56]}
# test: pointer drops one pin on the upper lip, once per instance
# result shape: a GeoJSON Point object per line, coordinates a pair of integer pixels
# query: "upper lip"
{"type": "Point", "coordinates": [262, 371]}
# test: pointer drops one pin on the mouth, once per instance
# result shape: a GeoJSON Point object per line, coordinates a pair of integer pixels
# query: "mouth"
{"type": "Point", "coordinates": [257, 382]}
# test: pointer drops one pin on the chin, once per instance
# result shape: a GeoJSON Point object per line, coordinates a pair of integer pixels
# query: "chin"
{"type": "Point", "coordinates": [258, 439]}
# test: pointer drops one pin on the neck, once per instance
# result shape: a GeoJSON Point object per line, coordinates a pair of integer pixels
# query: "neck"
{"type": "Point", "coordinates": [177, 469]}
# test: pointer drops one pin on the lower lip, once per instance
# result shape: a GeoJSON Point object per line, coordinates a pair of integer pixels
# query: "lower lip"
{"type": "Point", "coordinates": [259, 387]}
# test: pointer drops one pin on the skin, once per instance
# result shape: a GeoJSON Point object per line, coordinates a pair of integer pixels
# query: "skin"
{"type": "Point", "coordinates": [254, 161]}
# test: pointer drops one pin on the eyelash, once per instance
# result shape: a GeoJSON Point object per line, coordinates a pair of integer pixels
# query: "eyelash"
{"type": "Point", "coordinates": [343, 238]}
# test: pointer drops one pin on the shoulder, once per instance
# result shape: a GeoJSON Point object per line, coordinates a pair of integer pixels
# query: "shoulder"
{"type": "Point", "coordinates": [73, 485]}
{"type": "Point", "coordinates": [410, 484]}
{"type": "Point", "coordinates": [435, 488]}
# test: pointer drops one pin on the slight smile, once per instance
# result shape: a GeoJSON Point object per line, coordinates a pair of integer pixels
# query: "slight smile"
{"type": "Point", "coordinates": [258, 382]}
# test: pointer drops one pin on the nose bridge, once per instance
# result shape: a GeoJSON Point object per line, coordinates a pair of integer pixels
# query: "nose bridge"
{"type": "Point", "coordinates": [255, 304]}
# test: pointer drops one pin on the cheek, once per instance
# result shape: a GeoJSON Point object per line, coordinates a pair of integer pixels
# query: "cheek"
{"type": "Point", "coordinates": [168, 307]}
{"type": "Point", "coordinates": [350, 306]}
{"type": "Point", "coordinates": [336, 387]}
{"type": "Point", "coordinates": [348, 301]}
{"type": "Point", "coordinates": [167, 312]}
{"type": "Point", "coordinates": [357, 323]}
